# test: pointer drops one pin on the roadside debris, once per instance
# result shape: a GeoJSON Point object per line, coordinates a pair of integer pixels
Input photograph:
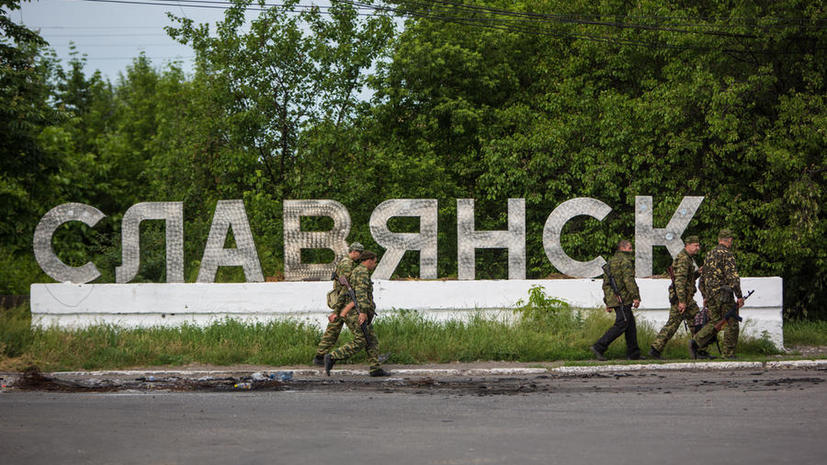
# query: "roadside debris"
{"type": "Point", "coordinates": [640, 382]}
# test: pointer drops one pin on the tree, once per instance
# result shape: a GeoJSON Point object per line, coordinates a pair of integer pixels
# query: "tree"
{"type": "Point", "coordinates": [282, 96]}
{"type": "Point", "coordinates": [555, 100]}
{"type": "Point", "coordinates": [24, 167]}
{"type": "Point", "coordinates": [290, 70]}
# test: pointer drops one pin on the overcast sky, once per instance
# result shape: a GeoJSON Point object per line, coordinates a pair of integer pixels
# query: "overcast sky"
{"type": "Point", "coordinates": [111, 35]}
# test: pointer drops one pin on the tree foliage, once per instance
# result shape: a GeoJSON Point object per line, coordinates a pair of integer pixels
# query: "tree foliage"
{"type": "Point", "coordinates": [25, 111]}
{"type": "Point", "coordinates": [487, 100]}
{"type": "Point", "coordinates": [720, 99]}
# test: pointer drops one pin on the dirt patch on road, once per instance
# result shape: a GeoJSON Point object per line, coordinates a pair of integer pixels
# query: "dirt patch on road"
{"type": "Point", "coordinates": [642, 382]}
{"type": "Point", "coordinates": [33, 380]}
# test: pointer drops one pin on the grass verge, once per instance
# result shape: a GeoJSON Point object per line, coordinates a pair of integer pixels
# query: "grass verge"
{"type": "Point", "coordinates": [540, 329]}
{"type": "Point", "coordinates": [808, 333]}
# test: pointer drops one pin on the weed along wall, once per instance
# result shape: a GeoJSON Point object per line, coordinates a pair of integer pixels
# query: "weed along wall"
{"type": "Point", "coordinates": [142, 305]}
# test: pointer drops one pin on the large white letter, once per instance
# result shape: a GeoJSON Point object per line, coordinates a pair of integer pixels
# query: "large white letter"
{"type": "Point", "coordinates": [295, 239]}
{"type": "Point", "coordinates": [647, 237]}
{"type": "Point", "coordinates": [230, 213]}
{"type": "Point", "coordinates": [397, 243]}
{"type": "Point", "coordinates": [42, 242]}
{"type": "Point", "coordinates": [554, 228]}
{"type": "Point", "coordinates": [173, 215]}
{"type": "Point", "coordinates": [469, 239]}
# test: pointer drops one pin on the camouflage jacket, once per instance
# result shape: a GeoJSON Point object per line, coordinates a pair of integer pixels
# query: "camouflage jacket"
{"type": "Point", "coordinates": [622, 268]}
{"type": "Point", "coordinates": [363, 286]}
{"type": "Point", "coordinates": [686, 272]}
{"type": "Point", "coordinates": [719, 272]}
{"type": "Point", "coordinates": [343, 268]}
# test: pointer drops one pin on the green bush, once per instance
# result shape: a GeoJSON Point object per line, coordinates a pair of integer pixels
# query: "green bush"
{"type": "Point", "coordinates": [17, 272]}
{"type": "Point", "coordinates": [16, 335]}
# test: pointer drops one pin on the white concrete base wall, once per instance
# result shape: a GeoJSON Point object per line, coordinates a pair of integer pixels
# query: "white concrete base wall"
{"type": "Point", "coordinates": [143, 305]}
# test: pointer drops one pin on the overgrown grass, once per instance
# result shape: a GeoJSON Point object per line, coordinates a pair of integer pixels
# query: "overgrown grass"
{"type": "Point", "coordinates": [808, 333]}
{"type": "Point", "coordinates": [16, 335]}
{"type": "Point", "coordinates": [540, 329]}
{"type": "Point", "coordinates": [105, 347]}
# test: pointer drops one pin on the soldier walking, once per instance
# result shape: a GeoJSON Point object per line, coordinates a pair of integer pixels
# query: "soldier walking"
{"type": "Point", "coordinates": [354, 317]}
{"type": "Point", "coordinates": [334, 325]}
{"type": "Point", "coordinates": [721, 280]}
{"type": "Point", "coordinates": [681, 295]}
{"type": "Point", "coordinates": [621, 270]}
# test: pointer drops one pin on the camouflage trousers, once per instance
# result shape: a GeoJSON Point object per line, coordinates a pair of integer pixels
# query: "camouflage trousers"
{"type": "Point", "coordinates": [674, 322]}
{"type": "Point", "coordinates": [359, 342]}
{"type": "Point", "coordinates": [708, 334]}
{"type": "Point", "coordinates": [331, 335]}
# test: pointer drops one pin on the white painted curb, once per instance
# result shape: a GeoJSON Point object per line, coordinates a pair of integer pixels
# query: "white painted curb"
{"type": "Point", "coordinates": [798, 364]}
{"type": "Point", "coordinates": [657, 367]}
{"type": "Point", "coordinates": [573, 370]}
{"type": "Point", "coordinates": [690, 366]}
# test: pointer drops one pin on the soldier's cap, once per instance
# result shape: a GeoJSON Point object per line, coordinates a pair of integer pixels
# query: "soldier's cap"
{"type": "Point", "coordinates": [692, 240]}
{"type": "Point", "coordinates": [356, 247]}
{"type": "Point", "coordinates": [726, 234]}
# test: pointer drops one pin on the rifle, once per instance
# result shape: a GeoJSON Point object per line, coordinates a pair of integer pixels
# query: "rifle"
{"type": "Point", "coordinates": [674, 291]}
{"type": "Point", "coordinates": [616, 291]}
{"type": "Point", "coordinates": [732, 313]}
{"type": "Point", "coordinates": [352, 294]}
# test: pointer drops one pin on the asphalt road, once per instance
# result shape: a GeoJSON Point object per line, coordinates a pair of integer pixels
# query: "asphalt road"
{"type": "Point", "coordinates": [736, 417]}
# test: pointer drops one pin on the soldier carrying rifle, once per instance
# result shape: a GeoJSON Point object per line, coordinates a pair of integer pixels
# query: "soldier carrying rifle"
{"type": "Point", "coordinates": [621, 294]}
{"type": "Point", "coordinates": [721, 280]}
{"type": "Point", "coordinates": [683, 272]}
{"type": "Point", "coordinates": [358, 313]}
{"type": "Point", "coordinates": [335, 324]}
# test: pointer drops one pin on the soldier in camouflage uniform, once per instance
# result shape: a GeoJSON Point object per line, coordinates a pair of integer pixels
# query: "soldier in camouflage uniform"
{"type": "Point", "coordinates": [334, 325]}
{"type": "Point", "coordinates": [363, 288]}
{"type": "Point", "coordinates": [682, 295]}
{"type": "Point", "coordinates": [622, 269]}
{"type": "Point", "coordinates": [721, 280]}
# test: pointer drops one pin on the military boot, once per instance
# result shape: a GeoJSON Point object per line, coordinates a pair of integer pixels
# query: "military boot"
{"type": "Point", "coordinates": [379, 372]}
{"type": "Point", "coordinates": [598, 354]}
{"type": "Point", "coordinates": [705, 355]}
{"type": "Point", "coordinates": [318, 360]}
{"type": "Point", "coordinates": [655, 354]}
{"type": "Point", "coordinates": [693, 349]}
{"type": "Point", "coordinates": [328, 364]}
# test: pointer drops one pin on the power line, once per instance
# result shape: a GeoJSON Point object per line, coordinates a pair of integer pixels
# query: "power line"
{"type": "Point", "coordinates": [132, 2]}
{"type": "Point", "coordinates": [215, 5]}
{"type": "Point", "coordinates": [134, 57]}
{"type": "Point", "coordinates": [482, 23]}
{"type": "Point", "coordinates": [494, 18]}
{"type": "Point", "coordinates": [511, 26]}
{"type": "Point", "coordinates": [133, 45]}
{"type": "Point", "coordinates": [444, 7]}
{"type": "Point", "coordinates": [538, 18]}
{"type": "Point", "coordinates": [92, 27]}
{"type": "Point", "coordinates": [229, 4]}
{"type": "Point", "coordinates": [439, 8]}
{"type": "Point", "coordinates": [564, 18]}
{"type": "Point", "coordinates": [593, 19]}
{"type": "Point", "coordinates": [69, 36]}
